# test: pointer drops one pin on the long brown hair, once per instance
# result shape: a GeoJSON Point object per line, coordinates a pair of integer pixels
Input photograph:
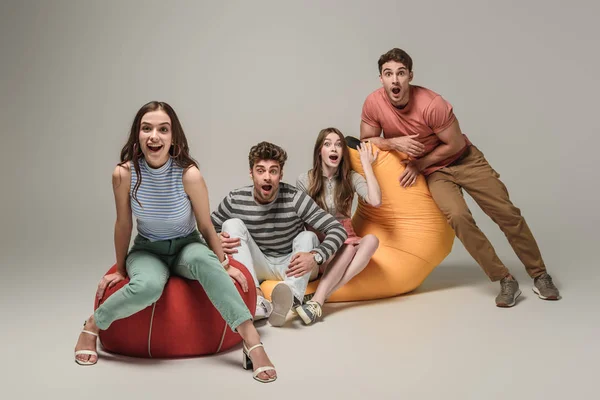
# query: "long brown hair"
{"type": "Point", "coordinates": [179, 150]}
{"type": "Point", "coordinates": [343, 186]}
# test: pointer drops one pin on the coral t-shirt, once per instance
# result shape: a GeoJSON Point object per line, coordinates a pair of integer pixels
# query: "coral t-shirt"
{"type": "Point", "coordinates": [426, 114]}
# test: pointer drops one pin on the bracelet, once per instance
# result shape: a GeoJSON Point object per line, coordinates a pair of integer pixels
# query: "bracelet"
{"type": "Point", "coordinates": [225, 263]}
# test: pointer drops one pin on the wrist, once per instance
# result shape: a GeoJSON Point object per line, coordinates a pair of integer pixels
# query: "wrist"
{"type": "Point", "coordinates": [225, 263]}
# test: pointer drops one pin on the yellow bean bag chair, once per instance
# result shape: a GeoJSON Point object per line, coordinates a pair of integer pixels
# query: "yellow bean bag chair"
{"type": "Point", "coordinates": [414, 236]}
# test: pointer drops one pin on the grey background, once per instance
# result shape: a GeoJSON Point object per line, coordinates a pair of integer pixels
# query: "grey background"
{"type": "Point", "coordinates": [521, 75]}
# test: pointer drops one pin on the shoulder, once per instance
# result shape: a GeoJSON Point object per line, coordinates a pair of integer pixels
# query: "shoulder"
{"type": "Point", "coordinates": [121, 173]}
{"type": "Point", "coordinates": [192, 175]}
{"type": "Point", "coordinates": [427, 98]}
{"type": "Point", "coordinates": [302, 179]}
{"type": "Point", "coordinates": [375, 97]}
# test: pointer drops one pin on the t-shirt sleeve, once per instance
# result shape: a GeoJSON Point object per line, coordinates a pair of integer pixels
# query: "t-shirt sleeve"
{"type": "Point", "coordinates": [359, 184]}
{"type": "Point", "coordinates": [369, 112]}
{"type": "Point", "coordinates": [222, 213]}
{"type": "Point", "coordinates": [439, 115]}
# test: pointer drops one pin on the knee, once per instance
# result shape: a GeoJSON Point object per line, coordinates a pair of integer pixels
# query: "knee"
{"type": "Point", "coordinates": [234, 226]}
{"type": "Point", "coordinates": [371, 241]}
{"type": "Point", "coordinates": [458, 217]}
{"type": "Point", "coordinates": [307, 239]}
{"type": "Point", "coordinates": [150, 290]}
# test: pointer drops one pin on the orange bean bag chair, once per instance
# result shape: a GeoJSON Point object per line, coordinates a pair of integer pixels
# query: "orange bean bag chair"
{"type": "Point", "coordinates": [414, 237]}
{"type": "Point", "coordinates": [183, 322]}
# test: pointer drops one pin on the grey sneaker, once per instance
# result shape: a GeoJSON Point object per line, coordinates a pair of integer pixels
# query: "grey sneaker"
{"type": "Point", "coordinates": [309, 312]}
{"type": "Point", "coordinates": [282, 299]}
{"type": "Point", "coordinates": [544, 287]}
{"type": "Point", "coordinates": [509, 291]}
{"type": "Point", "coordinates": [308, 297]}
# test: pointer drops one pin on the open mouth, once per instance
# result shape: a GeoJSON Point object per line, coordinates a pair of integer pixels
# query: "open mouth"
{"type": "Point", "coordinates": [334, 157]}
{"type": "Point", "coordinates": [396, 90]}
{"type": "Point", "coordinates": [266, 188]}
{"type": "Point", "coordinates": [154, 148]}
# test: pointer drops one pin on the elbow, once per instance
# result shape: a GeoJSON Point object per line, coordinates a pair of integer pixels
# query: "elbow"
{"type": "Point", "coordinates": [375, 202]}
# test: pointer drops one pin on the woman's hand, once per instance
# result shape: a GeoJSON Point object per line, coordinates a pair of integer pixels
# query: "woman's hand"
{"type": "Point", "coordinates": [238, 277]}
{"type": "Point", "coordinates": [365, 150]}
{"type": "Point", "coordinates": [109, 281]}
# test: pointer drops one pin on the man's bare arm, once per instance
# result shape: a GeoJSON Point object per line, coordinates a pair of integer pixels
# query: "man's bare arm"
{"type": "Point", "coordinates": [452, 142]}
{"type": "Point", "coordinates": [405, 144]}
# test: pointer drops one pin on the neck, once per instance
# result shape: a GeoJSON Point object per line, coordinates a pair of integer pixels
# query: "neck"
{"type": "Point", "coordinates": [328, 171]}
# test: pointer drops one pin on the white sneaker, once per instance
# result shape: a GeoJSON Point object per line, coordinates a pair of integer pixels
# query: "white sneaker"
{"type": "Point", "coordinates": [282, 298]}
{"type": "Point", "coordinates": [264, 308]}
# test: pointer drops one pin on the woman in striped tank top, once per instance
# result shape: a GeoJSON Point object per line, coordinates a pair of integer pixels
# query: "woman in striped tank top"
{"type": "Point", "coordinates": [160, 184]}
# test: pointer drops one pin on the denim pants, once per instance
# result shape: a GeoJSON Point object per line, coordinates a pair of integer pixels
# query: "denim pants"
{"type": "Point", "coordinates": [149, 265]}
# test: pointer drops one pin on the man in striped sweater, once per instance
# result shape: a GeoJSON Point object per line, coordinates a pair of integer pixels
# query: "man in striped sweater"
{"type": "Point", "coordinates": [263, 227]}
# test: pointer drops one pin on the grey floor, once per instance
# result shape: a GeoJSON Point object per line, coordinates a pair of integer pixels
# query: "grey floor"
{"type": "Point", "coordinates": [445, 340]}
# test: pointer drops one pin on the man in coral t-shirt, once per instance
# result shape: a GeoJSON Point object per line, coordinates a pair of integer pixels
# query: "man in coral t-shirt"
{"type": "Point", "coordinates": [421, 124]}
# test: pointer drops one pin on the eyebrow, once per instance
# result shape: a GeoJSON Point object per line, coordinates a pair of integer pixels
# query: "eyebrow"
{"type": "Point", "coordinates": [389, 69]}
{"type": "Point", "coordinates": [162, 123]}
{"type": "Point", "coordinates": [262, 166]}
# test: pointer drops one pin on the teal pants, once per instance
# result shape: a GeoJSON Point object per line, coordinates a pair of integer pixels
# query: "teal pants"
{"type": "Point", "coordinates": [149, 265]}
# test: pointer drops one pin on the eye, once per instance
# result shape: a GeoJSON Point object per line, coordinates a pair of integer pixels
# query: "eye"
{"type": "Point", "coordinates": [338, 145]}
{"type": "Point", "coordinates": [145, 128]}
{"type": "Point", "coordinates": [164, 129]}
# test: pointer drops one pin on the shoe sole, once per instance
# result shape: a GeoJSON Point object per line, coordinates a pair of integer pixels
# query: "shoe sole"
{"type": "Point", "coordinates": [282, 299]}
{"type": "Point", "coordinates": [537, 291]}
{"type": "Point", "coordinates": [508, 305]}
{"type": "Point", "coordinates": [305, 318]}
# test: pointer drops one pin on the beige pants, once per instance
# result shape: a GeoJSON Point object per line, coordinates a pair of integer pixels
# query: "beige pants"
{"type": "Point", "coordinates": [474, 174]}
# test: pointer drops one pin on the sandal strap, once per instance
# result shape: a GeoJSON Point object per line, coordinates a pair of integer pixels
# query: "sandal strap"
{"type": "Point", "coordinates": [86, 352]}
{"type": "Point", "coordinates": [254, 347]}
{"type": "Point", "coordinates": [263, 369]}
{"type": "Point", "coordinates": [89, 332]}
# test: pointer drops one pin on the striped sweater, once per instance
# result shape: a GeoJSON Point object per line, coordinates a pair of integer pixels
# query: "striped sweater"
{"type": "Point", "coordinates": [274, 226]}
{"type": "Point", "coordinates": [165, 211]}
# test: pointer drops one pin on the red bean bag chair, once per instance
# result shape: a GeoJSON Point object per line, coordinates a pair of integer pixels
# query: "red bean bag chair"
{"type": "Point", "coordinates": [183, 322]}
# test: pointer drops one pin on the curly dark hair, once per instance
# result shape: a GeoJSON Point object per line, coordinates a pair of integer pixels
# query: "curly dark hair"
{"type": "Point", "coordinates": [267, 151]}
{"type": "Point", "coordinates": [397, 55]}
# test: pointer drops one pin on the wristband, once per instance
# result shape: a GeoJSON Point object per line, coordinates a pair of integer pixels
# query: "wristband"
{"type": "Point", "coordinates": [225, 263]}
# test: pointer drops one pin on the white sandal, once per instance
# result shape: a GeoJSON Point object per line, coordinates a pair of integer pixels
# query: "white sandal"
{"type": "Point", "coordinates": [247, 364]}
{"type": "Point", "coordinates": [86, 352]}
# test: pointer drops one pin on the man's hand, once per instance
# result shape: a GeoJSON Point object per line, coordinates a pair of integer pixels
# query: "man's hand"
{"type": "Point", "coordinates": [408, 145]}
{"type": "Point", "coordinates": [239, 277]}
{"type": "Point", "coordinates": [410, 174]}
{"type": "Point", "coordinates": [229, 244]}
{"type": "Point", "coordinates": [300, 264]}
{"type": "Point", "coordinates": [109, 280]}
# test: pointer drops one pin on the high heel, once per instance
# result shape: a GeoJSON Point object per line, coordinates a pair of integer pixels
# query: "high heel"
{"type": "Point", "coordinates": [247, 363]}
{"type": "Point", "coordinates": [86, 352]}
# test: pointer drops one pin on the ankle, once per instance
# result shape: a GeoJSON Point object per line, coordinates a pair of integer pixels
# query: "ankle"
{"type": "Point", "coordinates": [90, 325]}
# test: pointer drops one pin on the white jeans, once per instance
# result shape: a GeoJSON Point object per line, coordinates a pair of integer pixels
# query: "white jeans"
{"type": "Point", "coordinates": [264, 267]}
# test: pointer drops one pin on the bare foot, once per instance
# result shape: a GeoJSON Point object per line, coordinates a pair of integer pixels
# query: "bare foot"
{"type": "Point", "coordinates": [87, 342]}
{"type": "Point", "coordinates": [260, 359]}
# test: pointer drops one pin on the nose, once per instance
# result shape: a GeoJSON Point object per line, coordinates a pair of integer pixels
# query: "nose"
{"type": "Point", "coordinates": [154, 134]}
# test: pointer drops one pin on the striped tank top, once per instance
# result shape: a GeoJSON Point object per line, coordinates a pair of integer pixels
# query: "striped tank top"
{"type": "Point", "coordinates": [166, 210]}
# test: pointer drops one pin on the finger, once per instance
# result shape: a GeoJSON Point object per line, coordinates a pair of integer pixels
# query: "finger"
{"type": "Point", "coordinates": [225, 234]}
{"type": "Point", "coordinates": [413, 181]}
{"type": "Point", "coordinates": [299, 273]}
{"type": "Point", "coordinates": [292, 270]}
{"type": "Point", "coordinates": [241, 279]}
{"type": "Point", "coordinates": [405, 179]}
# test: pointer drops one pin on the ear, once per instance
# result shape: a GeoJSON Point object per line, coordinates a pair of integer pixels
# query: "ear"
{"type": "Point", "coordinates": [410, 76]}
{"type": "Point", "coordinates": [250, 174]}
{"type": "Point", "coordinates": [380, 79]}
